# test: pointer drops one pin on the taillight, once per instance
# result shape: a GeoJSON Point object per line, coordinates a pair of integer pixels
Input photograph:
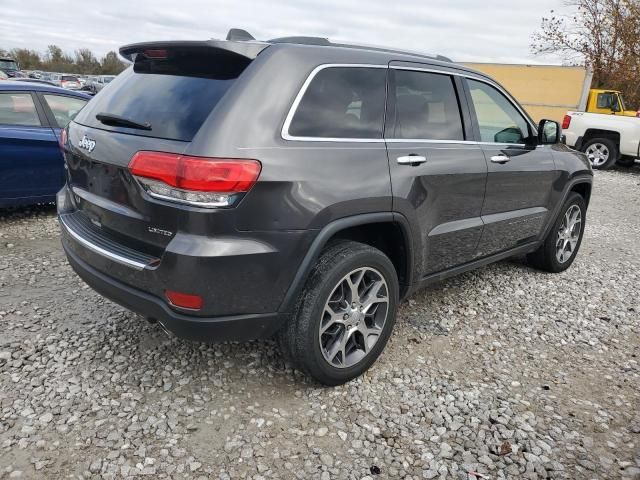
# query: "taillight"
{"type": "Point", "coordinates": [156, 53]}
{"type": "Point", "coordinates": [201, 181]}
{"type": "Point", "coordinates": [566, 121]}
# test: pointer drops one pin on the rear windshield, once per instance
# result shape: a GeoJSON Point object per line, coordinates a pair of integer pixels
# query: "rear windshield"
{"type": "Point", "coordinates": [174, 95]}
{"type": "Point", "coordinates": [69, 78]}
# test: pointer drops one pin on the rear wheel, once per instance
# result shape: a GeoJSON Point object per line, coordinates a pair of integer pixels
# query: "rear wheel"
{"type": "Point", "coordinates": [345, 314]}
{"type": "Point", "coordinates": [561, 246]}
{"type": "Point", "coordinates": [601, 152]}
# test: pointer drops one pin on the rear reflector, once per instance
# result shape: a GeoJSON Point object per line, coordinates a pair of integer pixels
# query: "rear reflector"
{"type": "Point", "coordinates": [566, 121]}
{"type": "Point", "coordinates": [197, 180]}
{"type": "Point", "coordinates": [184, 300]}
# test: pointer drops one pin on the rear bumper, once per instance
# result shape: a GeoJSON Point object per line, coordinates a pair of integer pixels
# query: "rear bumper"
{"type": "Point", "coordinates": [208, 329]}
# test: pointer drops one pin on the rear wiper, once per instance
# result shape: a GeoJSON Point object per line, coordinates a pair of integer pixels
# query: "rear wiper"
{"type": "Point", "coordinates": [118, 121]}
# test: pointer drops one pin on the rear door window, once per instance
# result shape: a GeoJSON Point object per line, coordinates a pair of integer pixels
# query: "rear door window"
{"type": "Point", "coordinates": [342, 103]}
{"type": "Point", "coordinates": [424, 107]}
{"type": "Point", "coordinates": [175, 95]}
{"type": "Point", "coordinates": [18, 109]}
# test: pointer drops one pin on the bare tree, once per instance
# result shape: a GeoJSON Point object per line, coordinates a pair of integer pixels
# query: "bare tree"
{"type": "Point", "coordinates": [604, 34]}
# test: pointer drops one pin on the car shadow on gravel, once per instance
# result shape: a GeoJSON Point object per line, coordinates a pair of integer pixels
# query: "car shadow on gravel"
{"type": "Point", "coordinates": [19, 213]}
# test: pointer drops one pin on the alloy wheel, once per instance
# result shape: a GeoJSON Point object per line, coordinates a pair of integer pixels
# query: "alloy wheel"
{"type": "Point", "coordinates": [354, 317]}
{"type": "Point", "coordinates": [598, 154]}
{"type": "Point", "coordinates": [569, 233]}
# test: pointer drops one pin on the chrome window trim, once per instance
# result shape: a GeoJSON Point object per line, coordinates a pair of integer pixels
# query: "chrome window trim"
{"type": "Point", "coordinates": [284, 133]}
{"type": "Point", "coordinates": [296, 102]}
{"type": "Point", "coordinates": [477, 78]}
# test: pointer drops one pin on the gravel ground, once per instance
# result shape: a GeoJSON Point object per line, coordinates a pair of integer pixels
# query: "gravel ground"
{"type": "Point", "coordinates": [505, 371]}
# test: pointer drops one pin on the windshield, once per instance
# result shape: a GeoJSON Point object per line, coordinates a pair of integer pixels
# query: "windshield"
{"type": "Point", "coordinates": [621, 102]}
{"type": "Point", "coordinates": [8, 65]}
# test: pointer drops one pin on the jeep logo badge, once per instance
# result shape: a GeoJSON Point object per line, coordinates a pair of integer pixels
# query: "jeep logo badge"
{"type": "Point", "coordinates": [87, 144]}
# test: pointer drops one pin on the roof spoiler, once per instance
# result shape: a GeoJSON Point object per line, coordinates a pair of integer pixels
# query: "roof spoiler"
{"type": "Point", "coordinates": [247, 50]}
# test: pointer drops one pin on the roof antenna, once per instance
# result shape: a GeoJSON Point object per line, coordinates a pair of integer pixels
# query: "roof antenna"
{"type": "Point", "coordinates": [239, 35]}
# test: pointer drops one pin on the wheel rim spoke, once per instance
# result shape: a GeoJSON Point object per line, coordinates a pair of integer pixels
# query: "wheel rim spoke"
{"type": "Point", "coordinates": [353, 317]}
{"type": "Point", "coordinates": [569, 234]}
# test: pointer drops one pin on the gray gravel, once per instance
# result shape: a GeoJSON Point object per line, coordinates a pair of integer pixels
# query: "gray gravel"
{"type": "Point", "coordinates": [507, 372]}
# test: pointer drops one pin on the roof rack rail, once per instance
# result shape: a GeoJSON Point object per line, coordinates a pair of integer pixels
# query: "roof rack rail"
{"type": "Point", "coordinates": [237, 34]}
{"type": "Point", "coordinates": [301, 40]}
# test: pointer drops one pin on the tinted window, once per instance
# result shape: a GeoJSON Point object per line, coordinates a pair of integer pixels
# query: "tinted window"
{"type": "Point", "coordinates": [18, 109]}
{"type": "Point", "coordinates": [342, 102]}
{"type": "Point", "coordinates": [426, 107]}
{"type": "Point", "coordinates": [8, 65]}
{"type": "Point", "coordinates": [498, 118]}
{"type": "Point", "coordinates": [605, 100]}
{"type": "Point", "coordinates": [68, 78]}
{"type": "Point", "coordinates": [175, 95]}
{"type": "Point", "coordinates": [64, 108]}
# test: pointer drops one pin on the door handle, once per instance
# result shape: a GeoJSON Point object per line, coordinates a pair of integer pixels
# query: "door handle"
{"type": "Point", "coordinates": [500, 159]}
{"type": "Point", "coordinates": [411, 160]}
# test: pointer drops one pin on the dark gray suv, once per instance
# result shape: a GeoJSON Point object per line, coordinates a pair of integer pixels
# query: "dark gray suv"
{"type": "Point", "coordinates": [298, 189]}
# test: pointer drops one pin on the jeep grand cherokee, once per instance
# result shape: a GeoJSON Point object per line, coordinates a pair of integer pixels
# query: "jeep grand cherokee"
{"type": "Point", "coordinates": [299, 188]}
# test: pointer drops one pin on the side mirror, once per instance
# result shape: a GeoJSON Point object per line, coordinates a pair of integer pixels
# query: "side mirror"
{"type": "Point", "coordinates": [548, 132]}
{"type": "Point", "coordinates": [615, 104]}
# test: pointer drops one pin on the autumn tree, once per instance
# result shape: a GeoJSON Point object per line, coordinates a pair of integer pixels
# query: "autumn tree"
{"type": "Point", "coordinates": [86, 62]}
{"type": "Point", "coordinates": [27, 59]}
{"type": "Point", "coordinates": [111, 64]}
{"type": "Point", "coordinates": [56, 60]}
{"type": "Point", "coordinates": [604, 35]}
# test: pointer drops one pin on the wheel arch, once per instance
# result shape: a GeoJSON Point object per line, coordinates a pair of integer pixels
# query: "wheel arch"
{"type": "Point", "coordinates": [387, 231]}
{"type": "Point", "coordinates": [592, 133]}
{"type": "Point", "coordinates": [582, 185]}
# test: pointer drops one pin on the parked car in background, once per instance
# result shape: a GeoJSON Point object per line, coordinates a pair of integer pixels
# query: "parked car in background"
{"type": "Point", "coordinates": [32, 116]}
{"type": "Point", "coordinates": [99, 82]}
{"type": "Point", "coordinates": [224, 205]}
{"type": "Point", "coordinates": [70, 82]}
{"type": "Point", "coordinates": [606, 139]}
{"type": "Point", "coordinates": [9, 66]}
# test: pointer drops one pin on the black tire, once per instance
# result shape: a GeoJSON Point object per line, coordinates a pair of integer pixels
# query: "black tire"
{"type": "Point", "coordinates": [300, 339]}
{"type": "Point", "coordinates": [612, 151]}
{"type": "Point", "coordinates": [545, 257]}
{"type": "Point", "coordinates": [626, 161]}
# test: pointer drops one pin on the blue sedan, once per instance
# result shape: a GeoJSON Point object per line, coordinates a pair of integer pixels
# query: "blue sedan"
{"type": "Point", "coordinates": [32, 116]}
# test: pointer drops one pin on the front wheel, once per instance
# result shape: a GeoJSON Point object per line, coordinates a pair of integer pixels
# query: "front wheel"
{"type": "Point", "coordinates": [345, 314]}
{"type": "Point", "coordinates": [560, 247]}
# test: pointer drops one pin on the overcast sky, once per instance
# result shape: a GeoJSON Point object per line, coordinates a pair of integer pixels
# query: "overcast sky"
{"type": "Point", "coordinates": [465, 30]}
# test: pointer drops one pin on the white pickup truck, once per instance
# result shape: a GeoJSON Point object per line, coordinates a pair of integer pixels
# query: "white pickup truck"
{"type": "Point", "coordinates": [606, 139]}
